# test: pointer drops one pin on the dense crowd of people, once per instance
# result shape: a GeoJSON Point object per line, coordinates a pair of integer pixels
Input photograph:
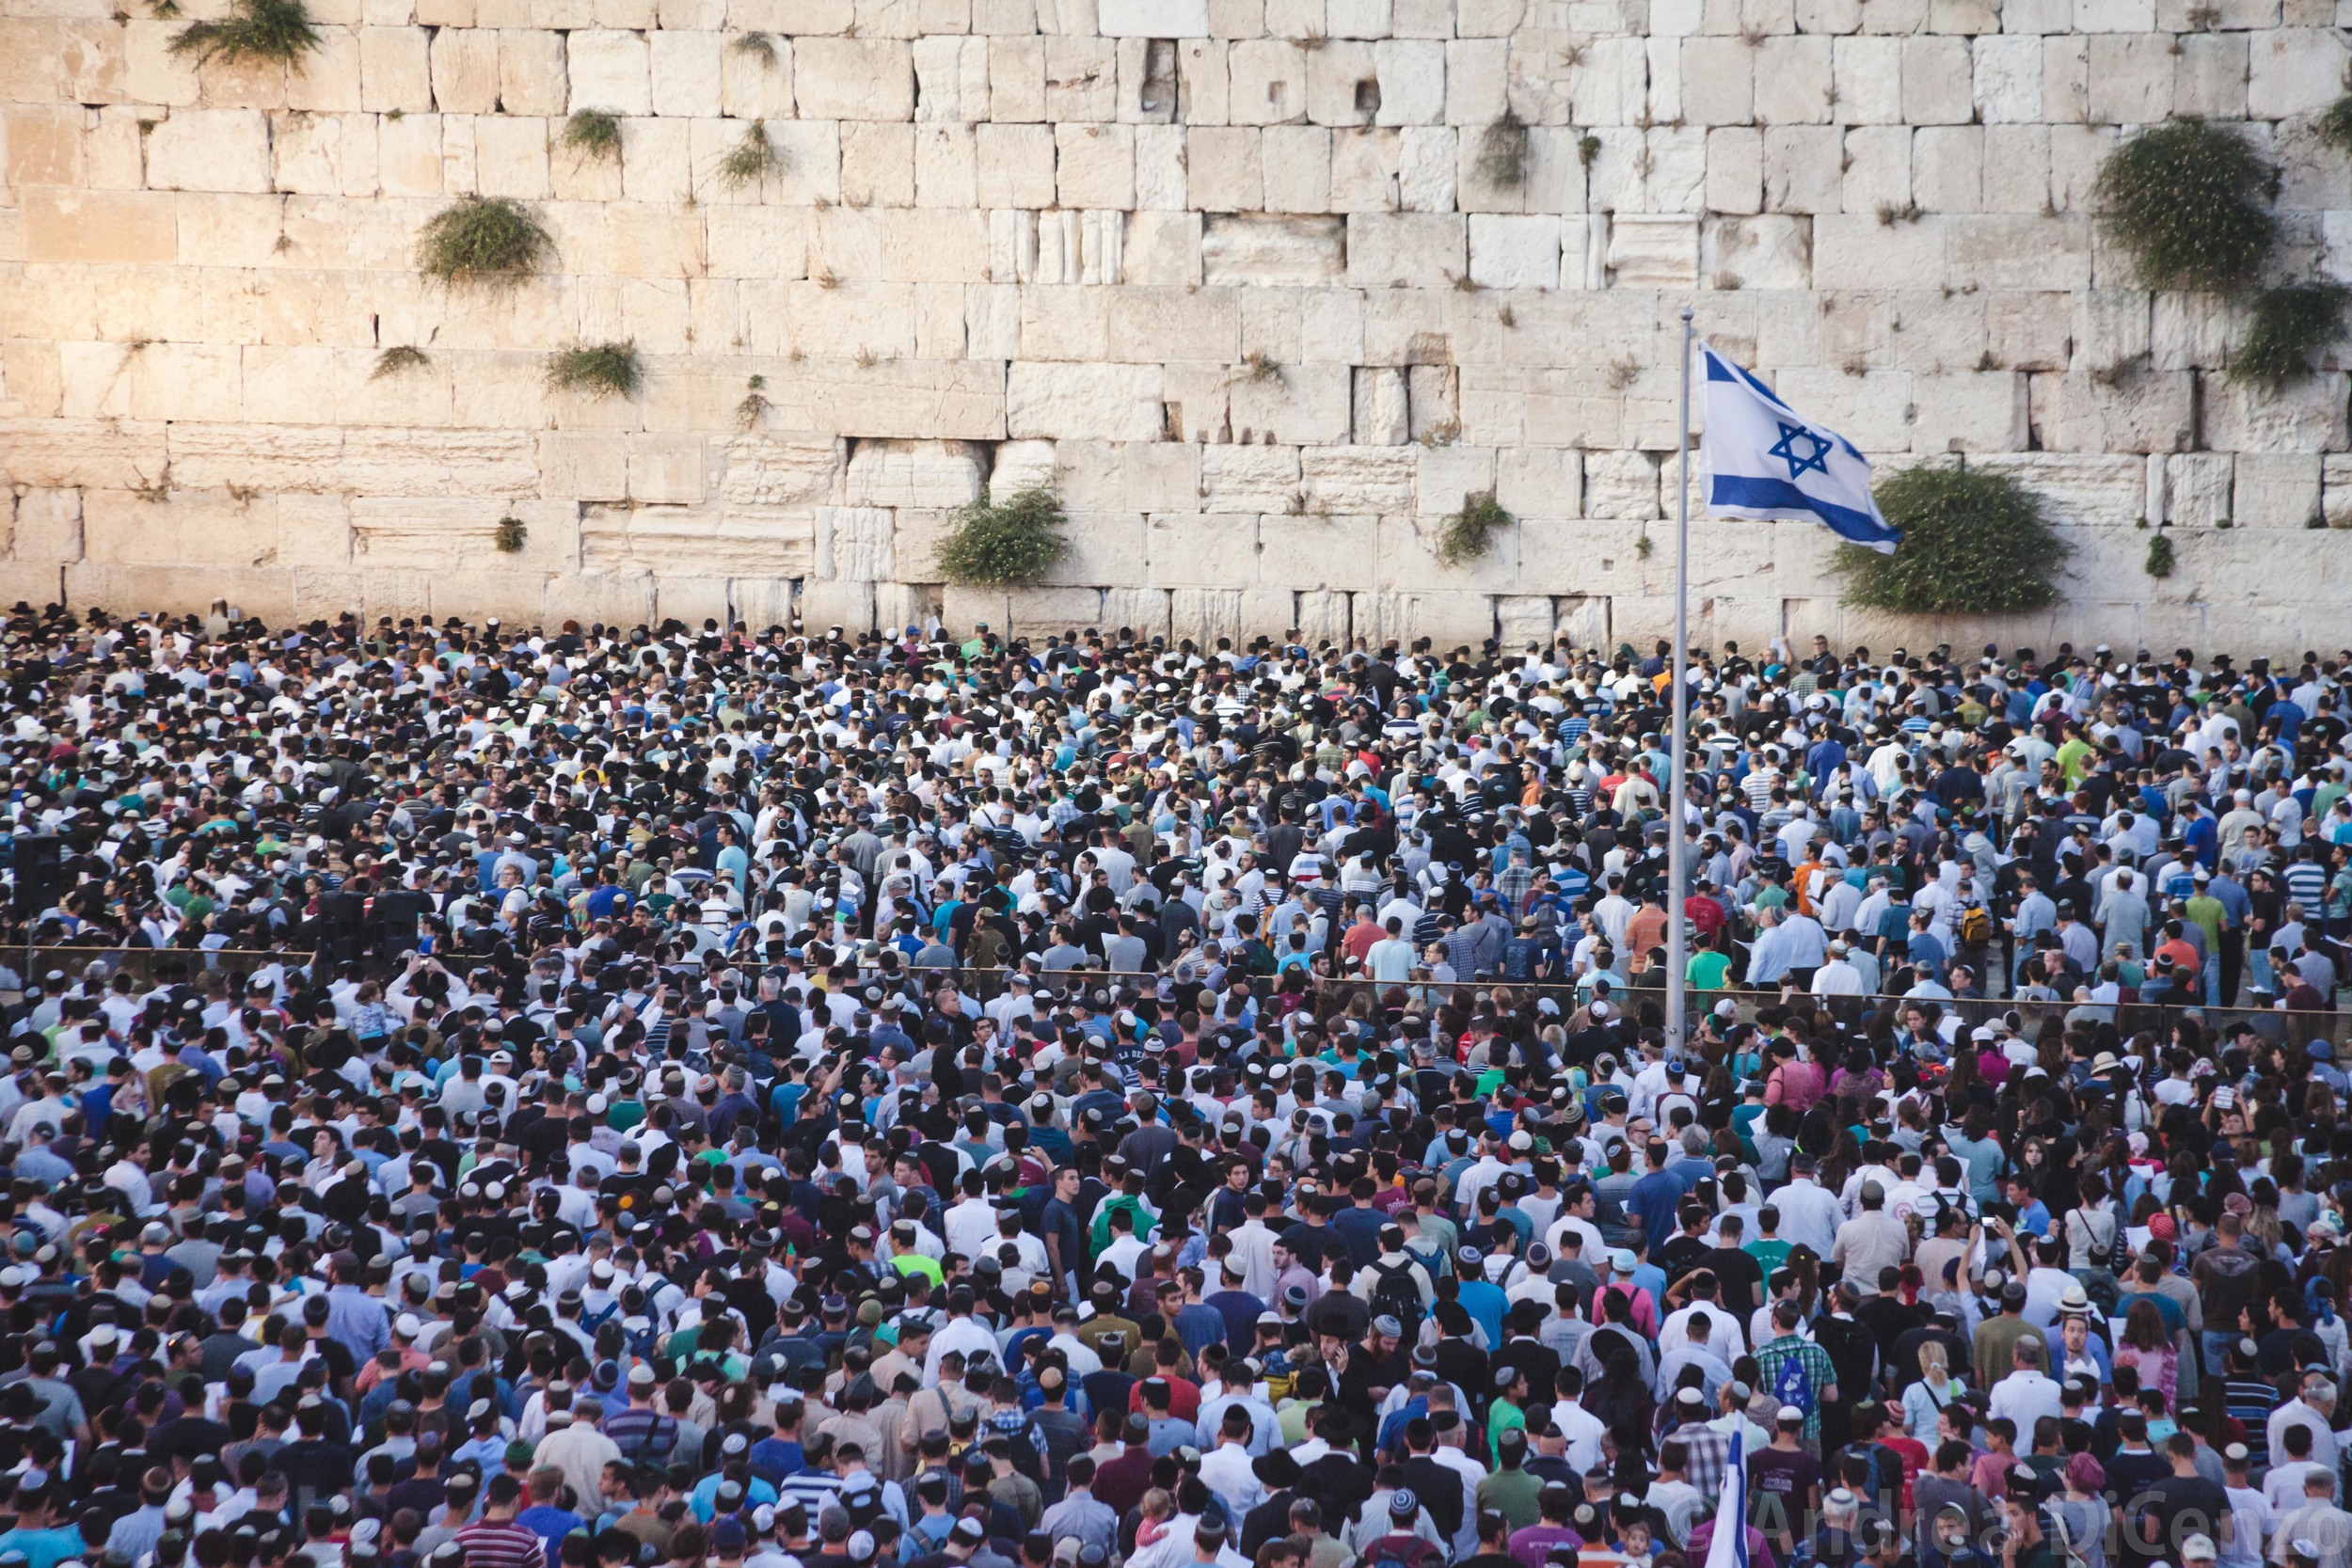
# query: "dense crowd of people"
{"type": "Point", "coordinates": [493, 1096]}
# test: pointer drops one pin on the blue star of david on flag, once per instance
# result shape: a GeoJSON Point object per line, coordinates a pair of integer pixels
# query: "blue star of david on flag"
{"type": "Point", "coordinates": [1787, 449]}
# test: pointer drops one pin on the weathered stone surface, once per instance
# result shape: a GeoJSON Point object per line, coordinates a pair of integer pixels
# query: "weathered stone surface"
{"type": "Point", "coordinates": [933, 474]}
{"type": "Point", "coordinates": [1235, 278]}
{"type": "Point", "coordinates": [1247, 250]}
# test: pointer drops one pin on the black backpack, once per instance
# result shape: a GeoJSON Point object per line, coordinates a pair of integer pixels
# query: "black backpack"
{"type": "Point", "coordinates": [1395, 1294]}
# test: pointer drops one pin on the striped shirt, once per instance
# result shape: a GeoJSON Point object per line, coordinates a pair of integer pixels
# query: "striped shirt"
{"type": "Point", "coordinates": [496, 1546]}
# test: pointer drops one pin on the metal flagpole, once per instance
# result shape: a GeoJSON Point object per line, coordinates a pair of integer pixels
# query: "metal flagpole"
{"type": "Point", "coordinates": [1677, 958]}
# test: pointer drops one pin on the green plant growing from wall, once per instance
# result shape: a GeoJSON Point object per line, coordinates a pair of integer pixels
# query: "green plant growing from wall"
{"type": "Point", "coordinates": [1975, 542]}
{"type": "Point", "coordinates": [394, 361]}
{"type": "Point", "coordinates": [1503, 152]}
{"type": "Point", "coordinates": [2335, 124]}
{"type": "Point", "coordinates": [1006, 545]}
{"type": "Point", "coordinates": [2160, 556]}
{"type": "Point", "coordinates": [754, 407]}
{"type": "Point", "coordinates": [599, 370]}
{"type": "Point", "coordinates": [2187, 201]}
{"type": "Point", "coordinates": [750, 160]}
{"type": "Point", "coordinates": [1470, 534]}
{"type": "Point", "coordinates": [755, 46]}
{"type": "Point", "coordinates": [492, 242]}
{"type": "Point", "coordinates": [256, 31]}
{"type": "Point", "coordinates": [511, 535]}
{"type": "Point", "coordinates": [2291, 325]}
{"type": "Point", "coordinates": [593, 134]}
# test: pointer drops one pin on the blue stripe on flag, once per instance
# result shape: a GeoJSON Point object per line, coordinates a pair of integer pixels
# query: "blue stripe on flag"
{"type": "Point", "coordinates": [1779, 495]}
{"type": "Point", "coordinates": [1721, 369]}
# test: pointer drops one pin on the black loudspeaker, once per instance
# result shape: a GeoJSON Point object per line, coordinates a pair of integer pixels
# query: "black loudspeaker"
{"type": "Point", "coordinates": [40, 872]}
{"type": "Point", "coordinates": [392, 921]}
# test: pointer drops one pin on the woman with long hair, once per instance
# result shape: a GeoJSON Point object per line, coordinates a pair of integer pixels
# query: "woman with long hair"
{"type": "Point", "coordinates": [1937, 1390]}
{"type": "Point", "coordinates": [2147, 1347]}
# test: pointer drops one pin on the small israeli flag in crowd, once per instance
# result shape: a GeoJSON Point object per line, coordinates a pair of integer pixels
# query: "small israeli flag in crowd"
{"type": "Point", "coordinates": [1763, 459]}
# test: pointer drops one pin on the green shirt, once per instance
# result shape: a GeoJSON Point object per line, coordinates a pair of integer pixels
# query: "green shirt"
{"type": "Point", "coordinates": [914, 1262]}
{"type": "Point", "coordinates": [1512, 1494]}
{"type": "Point", "coordinates": [1501, 1419]}
{"type": "Point", "coordinates": [2209, 914]}
{"type": "Point", "coordinates": [1706, 970]}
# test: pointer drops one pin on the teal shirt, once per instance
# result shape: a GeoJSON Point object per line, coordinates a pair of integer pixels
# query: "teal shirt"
{"type": "Point", "coordinates": [1984, 1164]}
{"type": "Point", "coordinates": [45, 1548]}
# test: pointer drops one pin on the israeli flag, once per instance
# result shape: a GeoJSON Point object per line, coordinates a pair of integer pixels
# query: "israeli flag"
{"type": "Point", "coordinates": [1728, 1546]}
{"type": "Point", "coordinates": [1763, 459]}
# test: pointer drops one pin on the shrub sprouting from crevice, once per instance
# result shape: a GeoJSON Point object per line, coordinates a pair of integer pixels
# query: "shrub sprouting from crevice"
{"type": "Point", "coordinates": [2160, 556]}
{"type": "Point", "coordinates": [599, 370]}
{"type": "Point", "coordinates": [490, 241]}
{"type": "Point", "coordinates": [1470, 534]}
{"type": "Point", "coordinates": [1973, 541]}
{"type": "Point", "coordinates": [755, 46]}
{"type": "Point", "coordinates": [393, 361]}
{"type": "Point", "coordinates": [2335, 124]}
{"type": "Point", "coordinates": [255, 32]}
{"type": "Point", "coordinates": [2291, 326]}
{"type": "Point", "coordinates": [754, 408]}
{"type": "Point", "coordinates": [1005, 546]}
{"type": "Point", "coordinates": [750, 160]}
{"type": "Point", "coordinates": [1503, 152]}
{"type": "Point", "coordinates": [593, 134]}
{"type": "Point", "coordinates": [2188, 201]}
{"type": "Point", "coordinates": [512, 534]}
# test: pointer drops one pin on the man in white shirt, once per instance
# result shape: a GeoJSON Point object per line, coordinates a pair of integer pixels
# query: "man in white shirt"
{"type": "Point", "coordinates": [1389, 960]}
{"type": "Point", "coordinates": [971, 1225]}
{"type": "Point", "coordinates": [1838, 977]}
{"type": "Point", "coordinates": [958, 1333]}
{"type": "Point", "coordinates": [2026, 1394]}
{"type": "Point", "coordinates": [2314, 1410]}
{"type": "Point", "coordinates": [1227, 1468]}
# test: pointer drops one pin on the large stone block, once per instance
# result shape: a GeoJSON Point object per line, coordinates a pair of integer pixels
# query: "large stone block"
{"type": "Point", "coordinates": [208, 150]}
{"type": "Point", "coordinates": [2307, 415]}
{"type": "Point", "coordinates": [1653, 250]}
{"type": "Point", "coordinates": [855, 542]}
{"type": "Point", "coordinates": [610, 70]}
{"type": "Point", "coordinates": [1512, 252]}
{"type": "Point", "coordinates": [1102, 402]}
{"type": "Point", "coordinates": [1404, 250]}
{"type": "Point", "coordinates": [1621, 485]}
{"type": "Point", "coordinates": [2278, 490]}
{"type": "Point", "coordinates": [939, 475]}
{"type": "Point", "coordinates": [1249, 480]}
{"type": "Point", "coordinates": [2295, 70]}
{"type": "Point", "coordinates": [2198, 489]}
{"type": "Point", "coordinates": [1317, 552]}
{"type": "Point", "coordinates": [1358, 480]}
{"type": "Point", "coordinates": [1271, 250]}
{"type": "Point", "coordinates": [1154, 19]}
{"type": "Point", "coordinates": [2087, 490]}
{"type": "Point", "coordinates": [859, 78]}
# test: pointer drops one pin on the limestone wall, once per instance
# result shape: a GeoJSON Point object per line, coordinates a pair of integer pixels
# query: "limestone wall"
{"type": "Point", "coordinates": [1233, 275]}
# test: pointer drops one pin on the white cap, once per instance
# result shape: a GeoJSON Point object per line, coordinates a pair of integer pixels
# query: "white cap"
{"type": "Point", "coordinates": [406, 1325]}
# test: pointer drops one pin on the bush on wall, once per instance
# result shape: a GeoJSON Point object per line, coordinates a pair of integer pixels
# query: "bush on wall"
{"type": "Point", "coordinates": [2291, 325]}
{"type": "Point", "coordinates": [2189, 201]}
{"type": "Point", "coordinates": [255, 32]}
{"type": "Point", "coordinates": [1975, 542]}
{"type": "Point", "coordinates": [1008, 546]}
{"type": "Point", "coordinates": [485, 240]}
